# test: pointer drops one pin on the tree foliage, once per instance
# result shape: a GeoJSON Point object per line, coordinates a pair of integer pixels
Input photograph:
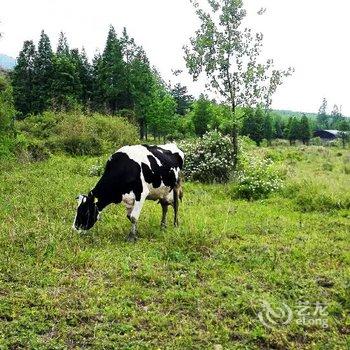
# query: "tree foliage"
{"type": "Point", "coordinates": [229, 56]}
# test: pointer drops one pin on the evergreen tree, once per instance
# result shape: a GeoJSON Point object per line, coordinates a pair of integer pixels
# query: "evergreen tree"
{"type": "Point", "coordinates": [304, 130]}
{"type": "Point", "coordinates": [202, 114]}
{"type": "Point", "coordinates": [344, 127]}
{"type": "Point", "coordinates": [182, 98]}
{"type": "Point", "coordinates": [161, 108]}
{"type": "Point", "coordinates": [66, 86]}
{"type": "Point", "coordinates": [279, 128]}
{"type": "Point", "coordinates": [23, 79]}
{"type": "Point", "coordinates": [253, 124]}
{"type": "Point", "coordinates": [85, 75]}
{"type": "Point", "coordinates": [268, 128]}
{"type": "Point", "coordinates": [111, 75]}
{"type": "Point", "coordinates": [97, 89]}
{"type": "Point", "coordinates": [293, 130]}
{"type": "Point", "coordinates": [43, 75]}
{"type": "Point", "coordinates": [143, 87]}
{"type": "Point", "coordinates": [62, 47]}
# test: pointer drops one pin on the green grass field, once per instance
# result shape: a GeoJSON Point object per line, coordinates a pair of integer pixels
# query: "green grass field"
{"type": "Point", "coordinates": [199, 286]}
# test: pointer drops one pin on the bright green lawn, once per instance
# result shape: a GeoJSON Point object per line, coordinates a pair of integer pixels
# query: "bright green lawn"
{"type": "Point", "coordinates": [196, 287]}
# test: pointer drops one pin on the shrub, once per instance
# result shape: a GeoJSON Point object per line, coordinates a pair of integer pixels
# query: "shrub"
{"type": "Point", "coordinates": [30, 150]}
{"type": "Point", "coordinates": [79, 145]}
{"type": "Point", "coordinates": [77, 134]}
{"type": "Point", "coordinates": [7, 145]}
{"type": "Point", "coordinates": [316, 141]}
{"type": "Point", "coordinates": [208, 159]}
{"type": "Point", "coordinates": [257, 179]}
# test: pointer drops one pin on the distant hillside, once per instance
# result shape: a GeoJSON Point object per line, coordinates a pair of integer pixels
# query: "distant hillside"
{"type": "Point", "coordinates": [7, 62]}
{"type": "Point", "coordinates": [288, 113]}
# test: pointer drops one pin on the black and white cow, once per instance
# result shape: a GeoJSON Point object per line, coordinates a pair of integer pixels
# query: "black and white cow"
{"type": "Point", "coordinates": [132, 175]}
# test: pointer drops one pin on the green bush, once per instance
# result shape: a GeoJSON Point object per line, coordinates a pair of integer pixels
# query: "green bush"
{"type": "Point", "coordinates": [7, 146]}
{"type": "Point", "coordinates": [30, 150]}
{"type": "Point", "coordinates": [257, 178]}
{"type": "Point", "coordinates": [208, 159]}
{"type": "Point", "coordinates": [77, 134]}
{"type": "Point", "coordinates": [76, 145]}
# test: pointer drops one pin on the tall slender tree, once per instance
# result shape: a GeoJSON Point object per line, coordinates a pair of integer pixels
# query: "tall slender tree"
{"type": "Point", "coordinates": [293, 130]}
{"type": "Point", "coordinates": [62, 47]}
{"type": "Point", "coordinates": [322, 116]}
{"type": "Point", "coordinates": [183, 99]}
{"type": "Point", "coordinates": [111, 74]}
{"type": "Point", "coordinates": [304, 130]}
{"type": "Point", "coordinates": [202, 114]}
{"type": "Point", "coordinates": [84, 72]}
{"type": "Point", "coordinates": [228, 55]}
{"type": "Point", "coordinates": [23, 79]}
{"type": "Point", "coordinates": [268, 128]}
{"type": "Point", "coordinates": [43, 74]}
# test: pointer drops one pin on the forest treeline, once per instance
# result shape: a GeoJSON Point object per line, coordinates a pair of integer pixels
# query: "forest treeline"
{"type": "Point", "coordinates": [121, 81]}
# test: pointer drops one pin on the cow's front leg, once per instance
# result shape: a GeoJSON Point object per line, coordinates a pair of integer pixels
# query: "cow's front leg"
{"type": "Point", "coordinates": [132, 237]}
{"type": "Point", "coordinates": [134, 217]}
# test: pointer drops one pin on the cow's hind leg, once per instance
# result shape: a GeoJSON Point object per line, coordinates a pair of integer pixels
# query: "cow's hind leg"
{"type": "Point", "coordinates": [164, 205]}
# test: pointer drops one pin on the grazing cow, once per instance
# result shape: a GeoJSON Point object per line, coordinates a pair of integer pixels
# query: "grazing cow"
{"type": "Point", "coordinates": [132, 175]}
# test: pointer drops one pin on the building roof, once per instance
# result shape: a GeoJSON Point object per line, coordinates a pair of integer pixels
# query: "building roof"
{"type": "Point", "coordinates": [333, 132]}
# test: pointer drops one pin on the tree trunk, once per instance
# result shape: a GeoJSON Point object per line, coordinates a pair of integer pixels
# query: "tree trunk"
{"type": "Point", "coordinates": [234, 136]}
{"type": "Point", "coordinates": [142, 128]}
{"type": "Point", "coordinates": [235, 145]}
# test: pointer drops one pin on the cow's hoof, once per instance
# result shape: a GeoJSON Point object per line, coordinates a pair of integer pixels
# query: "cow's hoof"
{"type": "Point", "coordinates": [131, 238]}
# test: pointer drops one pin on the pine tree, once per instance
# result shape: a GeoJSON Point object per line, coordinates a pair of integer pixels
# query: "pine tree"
{"type": "Point", "coordinates": [111, 75]}
{"type": "Point", "coordinates": [97, 95]}
{"type": "Point", "coordinates": [23, 79]}
{"type": "Point", "coordinates": [279, 127]}
{"type": "Point", "coordinates": [143, 88]}
{"type": "Point", "coordinates": [182, 98]}
{"type": "Point", "coordinates": [293, 130]}
{"type": "Point", "coordinates": [268, 129]}
{"type": "Point", "coordinates": [66, 86]}
{"type": "Point", "coordinates": [43, 75]}
{"type": "Point", "coordinates": [85, 75]}
{"type": "Point", "coordinates": [304, 130]}
{"type": "Point", "coordinates": [62, 47]}
{"type": "Point", "coordinates": [202, 114]}
{"type": "Point", "coordinates": [253, 124]}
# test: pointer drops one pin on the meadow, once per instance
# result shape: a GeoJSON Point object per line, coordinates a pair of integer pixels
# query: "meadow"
{"type": "Point", "coordinates": [199, 286]}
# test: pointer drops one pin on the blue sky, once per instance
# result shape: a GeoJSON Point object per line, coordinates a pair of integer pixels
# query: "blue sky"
{"type": "Point", "coordinates": [312, 36]}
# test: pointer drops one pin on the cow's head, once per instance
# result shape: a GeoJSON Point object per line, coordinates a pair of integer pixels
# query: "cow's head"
{"type": "Point", "coordinates": [87, 212]}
